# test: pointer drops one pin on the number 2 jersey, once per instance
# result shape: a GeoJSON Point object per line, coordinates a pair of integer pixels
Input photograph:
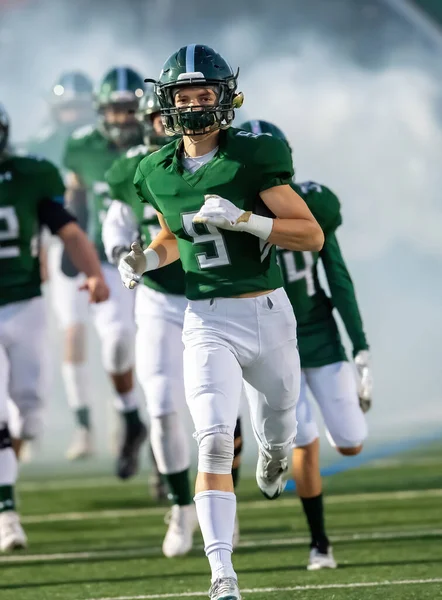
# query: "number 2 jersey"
{"type": "Point", "coordinates": [120, 177]}
{"type": "Point", "coordinates": [28, 185]}
{"type": "Point", "coordinates": [318, 336]}
{"type": "Point", "coordinates": [218, 263]}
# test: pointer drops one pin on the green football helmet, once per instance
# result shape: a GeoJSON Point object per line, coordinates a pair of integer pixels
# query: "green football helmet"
{"type": "Point", "coordinates": [120, 91]}
{"type": "Point", "coordinates": [148, 109]}
{"type": "Point", "coordinates": [264, 128]}
{"type": "Point", "coordinates": [197, 66]}
{"type": "Point", "coordinates": [4, 129]}
{"type": "Point", "coordinates": [72, 93]}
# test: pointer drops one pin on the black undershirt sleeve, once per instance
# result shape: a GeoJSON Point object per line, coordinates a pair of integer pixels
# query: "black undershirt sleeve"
{"type": "Point", "coordinates": [53, 215]}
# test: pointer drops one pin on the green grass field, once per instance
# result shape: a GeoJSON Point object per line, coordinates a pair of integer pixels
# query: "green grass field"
{"type": "Point", "coordinates": [97, 538]}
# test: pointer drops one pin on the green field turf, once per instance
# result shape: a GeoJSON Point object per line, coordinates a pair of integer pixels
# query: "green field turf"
{"type": "Point", "coordinates": [97, 538]}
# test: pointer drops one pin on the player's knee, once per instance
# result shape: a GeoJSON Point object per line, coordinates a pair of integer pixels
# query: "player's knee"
{"type": "Point", "coordinates": [27, 424]}
{"type": "Point", "coordinates": [160, 392]}
{"type": "Point", "coordinates": [350, 451]}
{"type": "Point", "coordinates": [118, 353]}
{"type": "Point", "coordinates": [215, 453]}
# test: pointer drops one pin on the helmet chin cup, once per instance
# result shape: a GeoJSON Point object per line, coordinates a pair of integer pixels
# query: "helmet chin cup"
{"type": "Point", "coordinates": [196, 121]}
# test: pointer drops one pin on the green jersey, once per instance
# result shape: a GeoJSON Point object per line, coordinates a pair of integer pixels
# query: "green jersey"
{"type": "Point", "coordinates": [89, 155]}
{"type": "Point", "coordinates": [218, 263]}
{"type": "Point", "coordinates": [24, 183]}
{"type": "Point", "coordinates": [120, 177]}
{"type": "Point", "coordinates": [318, 336]}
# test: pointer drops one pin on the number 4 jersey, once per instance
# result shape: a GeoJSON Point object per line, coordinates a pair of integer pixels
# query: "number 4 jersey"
{"type": "Point", "coordinates": [24, 183]}
{"type": "Point", "coordinates": [218, 263]}
{"type": "Point", "coordinates": [318, 336]}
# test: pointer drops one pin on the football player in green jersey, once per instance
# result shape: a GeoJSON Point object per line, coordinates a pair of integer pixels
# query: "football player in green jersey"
{"type": "Point", "coordinates": [70, 107]}
{"type": "Point", "coordinates": [325, 369]}
{"type": "Point", "coordinates": [31, 196]}
{"type": "Point", "coordinates": [159, 312]}
{"type": "Point", "coordinates": [89, 153]}
{"type": "Point", "coordinates": [208, 189]}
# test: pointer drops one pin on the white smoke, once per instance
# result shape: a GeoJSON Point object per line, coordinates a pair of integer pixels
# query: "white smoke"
{"type": "Point", "coordinates": [372, 135]}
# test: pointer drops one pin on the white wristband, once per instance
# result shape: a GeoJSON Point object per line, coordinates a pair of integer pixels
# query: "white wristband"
{"type": "Point", "coordinates": [152, 259]}
{"type": "Point", "coordinates": [259, 226]}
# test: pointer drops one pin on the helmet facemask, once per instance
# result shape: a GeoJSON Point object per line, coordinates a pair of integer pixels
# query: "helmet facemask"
{"type": "Point", "coordinates": [123, 133]}
{"type": "Point", "coordinates": [116, 101]}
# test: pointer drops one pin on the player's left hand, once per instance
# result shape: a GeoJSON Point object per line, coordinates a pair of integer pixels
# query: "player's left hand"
{"type": "Point", "coordinates": [97, 288]}
{"type": "Point", "coordinates": [221, 213]}
{"type": "Point", "coordinates": [365, 379]}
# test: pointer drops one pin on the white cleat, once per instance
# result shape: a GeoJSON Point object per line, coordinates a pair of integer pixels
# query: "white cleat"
{"type": "Point", "coordinates": [225, 588]}
{"type": "Point", "coordinates": [319, 561]}
{"type": "Point", "coordinates": [81, 445]}
{"type": "Point", "coordinates": [270, 475]}
{"type": "Point", "coordinates": [179, 537]}
{"type": "Point", "coordinates": [235, 539]}
{"type": "Point", "coordinates": [12, 536]}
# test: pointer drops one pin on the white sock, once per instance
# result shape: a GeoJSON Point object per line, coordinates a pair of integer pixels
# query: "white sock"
{"type": "Point", "coordinates": [77, 384]}
{"type": "Point", "coordinates": [8, 467]}
{"type": "Point", "coordinates": [127, 402]}
{"type": "Point", "coordinates": [216, 515]}
{"type": "Point", "coordinates": [169, 442]}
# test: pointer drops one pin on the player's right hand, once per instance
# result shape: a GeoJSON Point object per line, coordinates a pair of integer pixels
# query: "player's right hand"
{"type": "Point", "coordinates": [97, 288]}
{"type": "Point", "coordinates": [132, 266]}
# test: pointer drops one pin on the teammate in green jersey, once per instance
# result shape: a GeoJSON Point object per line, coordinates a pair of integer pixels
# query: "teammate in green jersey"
{"type": "Point", "coordinates": [31, 196]}
{"type": "Point", "coordinates": [325, 369]}
{"type": "Point", "coordinates": [89, 153]}
{"type": "Point", "coordinates": [239, 321]}
{"type": "Point", "coordinates": [159, 313]}
{"type": "Point", "coordinates": [70, 103]}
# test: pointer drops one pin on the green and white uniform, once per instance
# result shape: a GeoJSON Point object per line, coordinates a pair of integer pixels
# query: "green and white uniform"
{"type": "Point", "coordinates": [159, 313]}
{"type": "Point", "coordinates": [29, 189]}
{"type": "Point", "coordinates": [323, 360]}
{"type": "Point", "coordinates": [228, 338]}
{"type": "Point", "coordinates": [89, 154]}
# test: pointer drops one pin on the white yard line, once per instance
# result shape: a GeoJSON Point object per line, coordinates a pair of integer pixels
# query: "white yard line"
{"type": "Point", "coordinates": [242, 506]}
{"type": "Point", "coordinates": [262, 543]}
{"type": "Point", "coordinates": [296, 588]}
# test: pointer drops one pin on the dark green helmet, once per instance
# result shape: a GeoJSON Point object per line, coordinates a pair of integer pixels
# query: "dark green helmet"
{"type": "Point", "coordinates": [148, 109]}
{"type": "Point", "coordinates": [4, 129]}
{"type": "Point", "coordinates": [71, 89]}
{"type": "Point", "coordinates": [121, 90]}
{"type": "Point", "coordinates": [71, 99]}
{"type": "Point", "coordinates": [120, 86]}
{"type": "Point", "coordinates": [263, 128]}
{"type": "Point", "coordinates": [197, 66]}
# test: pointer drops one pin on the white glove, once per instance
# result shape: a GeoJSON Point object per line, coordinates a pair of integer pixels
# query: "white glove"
{"type": "Point", "coordinates": [133, 265]}
{"type": "Point", "coordinates": [365, 379]}
{"type": "Point", "coordinates": [222, 213]}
